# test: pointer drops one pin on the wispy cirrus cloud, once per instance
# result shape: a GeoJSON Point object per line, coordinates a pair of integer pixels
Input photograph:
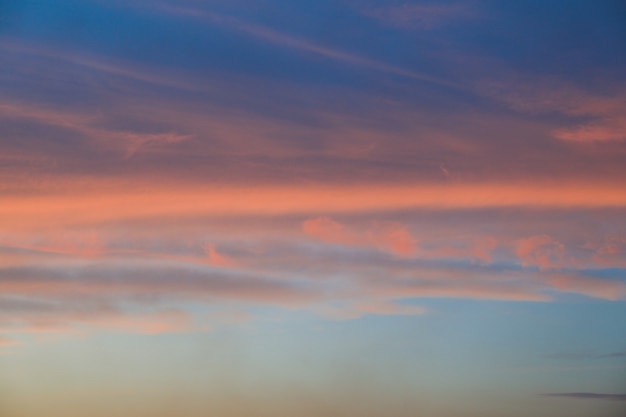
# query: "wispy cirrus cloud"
{"type": "Point", "coordinates": [127, 142]}
{"type": "Point", "coordinates": [286, 40]}
{"type": "Point", "coordinates": [266, 133]}
{"type": "Point", "coordinates": [598, 116]}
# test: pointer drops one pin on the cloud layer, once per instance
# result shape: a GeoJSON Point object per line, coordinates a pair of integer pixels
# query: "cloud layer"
{"type": "Point", "coordinates": [255, 161]}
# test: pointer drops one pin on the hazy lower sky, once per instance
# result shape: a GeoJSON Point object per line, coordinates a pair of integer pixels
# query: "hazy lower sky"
{"type": "Point", "coordinates": [311, 208]}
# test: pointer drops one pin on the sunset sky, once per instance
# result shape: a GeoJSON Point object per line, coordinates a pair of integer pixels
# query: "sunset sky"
{"type": "Point", "coordinates": [307, 208]}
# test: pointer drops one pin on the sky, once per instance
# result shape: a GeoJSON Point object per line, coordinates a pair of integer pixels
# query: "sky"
{"type": "Point", "coordinates": [312, 208]}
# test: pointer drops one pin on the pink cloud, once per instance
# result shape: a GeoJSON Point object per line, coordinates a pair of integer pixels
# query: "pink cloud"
{"type": "Point", "coordinates": [217, 259]}
{"type": "Point", "coordinates": [471, 290]}
{"type": "Point", "coordinates": [398, 240]}
{"type": "Point", "coordinates": [609, 252]}
{"type": "Point", "coordinates": [542, 251]}
{"type": "Point", "coordinates": [604, 112]}
{"type": "Point", "coordinates": [607, 129]}
{"type": "Point", "coordinates": [82, 293]}
{"type": "Point", "coordinates": [393, 238]}
{"type": "Point", "coordinates": [590, 286]}
{"type": "Point", "coordinates": [153, 281]}
{"type": "Point", "coordinates": [478, 248]}
{"type": "Point", "coordinates": [328, 230]}
{"type": "Point", "coordinates": [138, 141]}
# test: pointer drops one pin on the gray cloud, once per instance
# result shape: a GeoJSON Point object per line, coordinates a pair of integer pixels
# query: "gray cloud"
{"type": "Point", "coordinates": [589, 396]}
{"type": "Point", "coordinates": [588, 355]}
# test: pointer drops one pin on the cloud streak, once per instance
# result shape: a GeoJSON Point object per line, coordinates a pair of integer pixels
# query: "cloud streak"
{"type": "Point", "coordinates": [34, 211]}
{"type": "Point", "coordinates": [419, 16]}
{"type": "Point", "coordinates": [281, 39]}
{"type": "Point", "coordinates": [588, 396]}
